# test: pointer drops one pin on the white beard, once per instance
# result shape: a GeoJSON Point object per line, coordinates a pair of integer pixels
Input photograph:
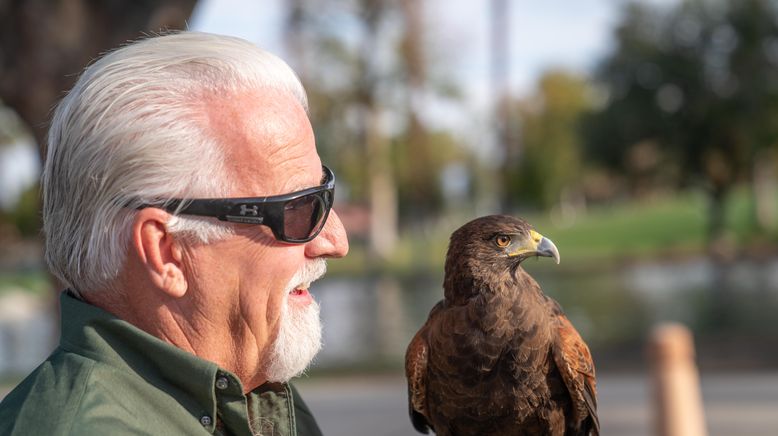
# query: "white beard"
{"type": "Point", "coordinates": [299, 334]}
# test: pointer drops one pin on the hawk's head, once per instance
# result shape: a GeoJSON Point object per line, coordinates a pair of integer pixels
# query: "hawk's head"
{"type": "Point", "coordinates": [489, 247]}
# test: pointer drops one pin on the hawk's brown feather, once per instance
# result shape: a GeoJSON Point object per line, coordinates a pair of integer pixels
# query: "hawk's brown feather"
{"type": "Point", "coordinates": [496, 356]}
{"type": "Point", "coordinates": [576, 366]}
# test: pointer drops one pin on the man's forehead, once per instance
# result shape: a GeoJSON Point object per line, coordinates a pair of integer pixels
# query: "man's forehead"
{"type": "Point", "coordinates": [267, 140]}
{"type": "Point", "coordinates": [251, 115]}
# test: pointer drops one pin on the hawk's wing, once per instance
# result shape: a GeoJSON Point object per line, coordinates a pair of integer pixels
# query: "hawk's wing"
{"type": "Point", "coordinates": [575, 363]}
{"type": "Point", "coordinates": [416, 372]}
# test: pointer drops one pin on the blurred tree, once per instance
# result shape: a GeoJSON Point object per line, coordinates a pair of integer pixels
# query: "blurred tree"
{"type": "Point", "coordinates": [343, 91]}
{"type": "Point", "coordinates": [550, 165]}
{"type": "Point", "coordinates": [753, 64]}
{"type": "Point", "coordinates": [419, 170]}
{"type": "Point", "coordinates": [24, 216]}
{"type": "Point", "coordinates": [19, 217]}
{"type": "Point", "coordinates": [698, 83]}
{"type": "Point", "coordinates": [45, 44]}
{"type": "Point", "coordinates": [367, 93]}
{"type": "Point", "coordinates": [506, 141]}
{"type": "Point", "coordinates": [443, 151]}
{"type": "Point", "coordinates": [12, 129]}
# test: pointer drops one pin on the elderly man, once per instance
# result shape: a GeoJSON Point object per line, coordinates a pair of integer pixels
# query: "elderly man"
{"type": "Point", "coordinates": [188, 212]}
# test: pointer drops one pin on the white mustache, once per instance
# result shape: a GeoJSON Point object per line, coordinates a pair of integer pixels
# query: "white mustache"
{"type": "Point", "coordinates": [307, 274]}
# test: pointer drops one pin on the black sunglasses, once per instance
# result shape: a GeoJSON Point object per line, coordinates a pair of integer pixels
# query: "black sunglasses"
{"type": "Point", "coordinates": [297, 217]}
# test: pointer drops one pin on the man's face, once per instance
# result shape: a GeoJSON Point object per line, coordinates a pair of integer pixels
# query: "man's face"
{"type": "Point", "coordinates": [247, 281]}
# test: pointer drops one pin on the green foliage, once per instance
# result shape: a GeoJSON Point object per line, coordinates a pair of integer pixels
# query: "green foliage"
{"type": "Point", "coordinates": [549, 140]}
{"type": "Point", "coordinates": [34, 281]}
{"type": "Point", "coordinates": [25, 216]}
{"type": "Point", "coordinates": [604, 235]}
{"type": "Point", "coordinates": [699, 82]}
{"type": "Point", "coordinates": [417, 172]}
{"type": "Point", "coordinates": [11, 127]}
{"type": "Point", "coordinates": [635, 229]}
{"type": "Point", "coordinates": [364, 79]}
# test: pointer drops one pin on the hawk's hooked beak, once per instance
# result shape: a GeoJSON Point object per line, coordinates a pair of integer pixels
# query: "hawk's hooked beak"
{"type": "Point", "coordinates": [538, 245]}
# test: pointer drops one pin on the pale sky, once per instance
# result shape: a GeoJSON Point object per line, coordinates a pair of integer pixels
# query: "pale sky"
{"type": "Point", "coordinates": [543, 34]}
{"type": "Point", "coordinates": [573, 35]}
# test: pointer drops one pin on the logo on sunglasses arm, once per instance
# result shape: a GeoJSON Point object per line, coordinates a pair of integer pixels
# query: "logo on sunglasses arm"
{"type": "Point", "coordinates": [245, 210]}
{"type": "Point", "coordinates": [248, 215]}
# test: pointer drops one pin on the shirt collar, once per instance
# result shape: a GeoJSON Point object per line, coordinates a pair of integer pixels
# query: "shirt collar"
{"type": "Point", "coordinates": [99, 335]}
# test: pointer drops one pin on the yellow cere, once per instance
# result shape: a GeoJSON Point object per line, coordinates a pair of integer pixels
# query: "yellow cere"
{"type": "Point", "coordinates": [536, 237]}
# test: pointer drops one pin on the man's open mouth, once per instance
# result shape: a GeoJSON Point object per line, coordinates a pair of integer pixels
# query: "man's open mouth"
{"type": "Point", "coordinates": [298, 292]}
{"type": "Point", "coordinates": [301, 291]}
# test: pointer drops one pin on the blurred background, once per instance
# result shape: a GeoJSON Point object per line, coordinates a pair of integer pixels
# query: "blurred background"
{"type": "Point", "coordinates": [640, 136]}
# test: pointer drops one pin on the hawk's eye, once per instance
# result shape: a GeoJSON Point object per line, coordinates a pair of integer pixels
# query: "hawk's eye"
{"type": "Point", "coordinates": [502, 241]}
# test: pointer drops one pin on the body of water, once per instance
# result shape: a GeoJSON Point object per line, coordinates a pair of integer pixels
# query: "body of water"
{"type": "Point", "coordinates": [369, 321]}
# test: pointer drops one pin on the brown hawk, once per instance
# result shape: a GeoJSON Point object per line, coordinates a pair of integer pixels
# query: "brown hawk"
{"type": "Point", "coordinates": [497, 356]}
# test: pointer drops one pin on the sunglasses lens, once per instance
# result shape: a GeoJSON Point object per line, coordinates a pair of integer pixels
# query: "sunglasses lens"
{"type": "Point", "coordinates": [304, 216]}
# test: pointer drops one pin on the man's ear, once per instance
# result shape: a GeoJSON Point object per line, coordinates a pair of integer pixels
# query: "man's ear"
{"type": "Point", "coordinates": [159, 254]}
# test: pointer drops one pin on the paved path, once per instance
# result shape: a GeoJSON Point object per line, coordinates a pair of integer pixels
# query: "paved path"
{"type": "Point", "coordinates": [736, 404]}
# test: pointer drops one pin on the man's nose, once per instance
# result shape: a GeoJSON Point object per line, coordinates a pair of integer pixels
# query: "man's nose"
{"type": "Point", "coordinates": [331, 242]}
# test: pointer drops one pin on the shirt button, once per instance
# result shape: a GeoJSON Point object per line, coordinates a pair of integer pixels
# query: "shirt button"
{"type": "Point", "coordinates": [222, 383]}
{"type": "Point", "coordinates": [206, 420]}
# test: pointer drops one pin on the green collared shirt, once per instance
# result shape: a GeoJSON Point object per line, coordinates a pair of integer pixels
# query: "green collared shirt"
{"type": "Point", "coordinates": [109, 377]}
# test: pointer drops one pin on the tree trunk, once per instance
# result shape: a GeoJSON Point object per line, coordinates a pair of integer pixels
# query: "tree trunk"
{"type": "Point", "coordinates": [382, 186]}
{"type": "Point", "coordinates": [421, 171]}
{"type": "Point", "coordinates": [383, 191]}
{"type": "Point", "coordinates": [765, 191]}
{"type": "Point", "coordinates": [44, 45]}
{"type": "Point", "coordinates": [718, 246]}
{"type": "Point", "coordinates": [507, 156]}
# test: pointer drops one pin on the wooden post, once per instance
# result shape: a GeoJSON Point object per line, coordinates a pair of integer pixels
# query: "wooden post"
{"type": "Point", "coordinates": [676, 382]}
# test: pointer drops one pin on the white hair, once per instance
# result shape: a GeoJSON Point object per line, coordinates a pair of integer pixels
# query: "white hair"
{"type": "Point", "coordinates": [132, 131]}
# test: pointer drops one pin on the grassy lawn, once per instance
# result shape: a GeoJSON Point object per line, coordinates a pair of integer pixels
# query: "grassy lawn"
{"type": "Point", "coordinates": [636, 229]}
{"type": "Point", "coordinates": [32, 281]}
{"type": "Point", "coordinates": [672, 225]}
